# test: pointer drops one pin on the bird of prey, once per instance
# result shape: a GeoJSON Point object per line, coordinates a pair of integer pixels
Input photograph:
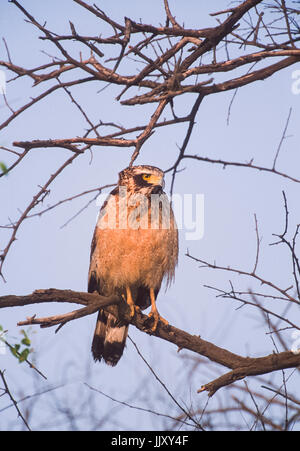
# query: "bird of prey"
{"type": "Point", "coordinates": [134, 247]}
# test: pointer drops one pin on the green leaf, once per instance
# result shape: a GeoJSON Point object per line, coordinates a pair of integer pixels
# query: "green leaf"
{"type": "Point", "coordinates": [15, 350]}
{"type": "Point", "coordinates": [23, 355]}
{"type": "Point", "coordinates": [22, 349]}
{"type": "Point", "coordinates": [3, 167]}
{"type": "Point", "coordinates": [26, 341]}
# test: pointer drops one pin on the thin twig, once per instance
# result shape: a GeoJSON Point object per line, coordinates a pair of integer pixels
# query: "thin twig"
{"type": "Point", "coordinates": [8, 392]}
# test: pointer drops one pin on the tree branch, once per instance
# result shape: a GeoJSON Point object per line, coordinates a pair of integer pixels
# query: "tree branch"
{"type": "Point", "coordinates": [240, 366]}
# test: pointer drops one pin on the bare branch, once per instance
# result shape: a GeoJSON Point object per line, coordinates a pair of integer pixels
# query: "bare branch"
{"type": "Point", "coordinates": [240, 366]}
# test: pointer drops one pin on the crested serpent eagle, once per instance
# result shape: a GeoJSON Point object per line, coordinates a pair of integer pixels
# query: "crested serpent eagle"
{"type": "Point", "coordinates": [134, 247]}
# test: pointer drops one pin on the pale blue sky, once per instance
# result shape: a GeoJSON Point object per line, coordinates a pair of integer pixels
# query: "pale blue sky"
{"type": "Point", "coordinates": [47, 256]}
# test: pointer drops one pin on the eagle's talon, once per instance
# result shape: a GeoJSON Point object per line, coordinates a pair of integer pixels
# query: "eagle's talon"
{"type": "Point", "coordinates": [154, 312]}
{"type": "Point", "coordinates": [157, 318]}
{"type": "Point", "coordinates": [163, 320]}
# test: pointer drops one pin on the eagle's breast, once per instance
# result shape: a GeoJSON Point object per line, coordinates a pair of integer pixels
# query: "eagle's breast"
{"type": "Point", "coordinates": [134, 248]}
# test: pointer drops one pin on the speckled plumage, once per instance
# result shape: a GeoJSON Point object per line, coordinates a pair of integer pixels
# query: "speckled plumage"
{"type": "Point", "coordinates": [128, 254]}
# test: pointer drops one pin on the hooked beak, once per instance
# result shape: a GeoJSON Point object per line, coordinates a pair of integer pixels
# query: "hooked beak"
{"type": "Point", "coordinates": [157, 180]}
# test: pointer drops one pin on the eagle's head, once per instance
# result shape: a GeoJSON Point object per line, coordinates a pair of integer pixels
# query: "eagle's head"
{"type": "Point", "coordinates": [142, 179]}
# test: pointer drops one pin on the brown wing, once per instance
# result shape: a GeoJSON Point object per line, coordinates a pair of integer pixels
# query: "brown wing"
{"type": "Point", "coordinates": [94, 282]}
{"type": "Point", "coordinates": [109, 336]}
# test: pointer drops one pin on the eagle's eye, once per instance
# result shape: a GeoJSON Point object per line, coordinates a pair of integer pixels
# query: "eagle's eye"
{"type": "Point", "coordinates": [146, 176]}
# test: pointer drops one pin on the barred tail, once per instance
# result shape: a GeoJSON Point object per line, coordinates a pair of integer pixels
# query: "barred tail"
{"type": "Point", "coordinates": [109, 339]}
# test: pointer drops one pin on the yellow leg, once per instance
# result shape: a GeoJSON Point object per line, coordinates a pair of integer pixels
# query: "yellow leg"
{"type": "Point", "coordinates": [154, 312]}
{"type": "Point", "coordinates": [130, 302]}
{"type": "Point", "coordinates": [128, 298]}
